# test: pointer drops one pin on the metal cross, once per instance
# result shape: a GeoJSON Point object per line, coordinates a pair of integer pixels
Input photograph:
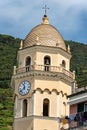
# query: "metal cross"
{"type": "Point", "coordinates": [45, 8]}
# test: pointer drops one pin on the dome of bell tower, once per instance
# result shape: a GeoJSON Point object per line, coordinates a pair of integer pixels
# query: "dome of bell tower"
{"type": "Point", "coordinates": [44, 34]}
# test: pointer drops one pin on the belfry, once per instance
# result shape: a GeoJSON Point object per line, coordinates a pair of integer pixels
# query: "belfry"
{"type": "Point", "coordinates": [42, 80]}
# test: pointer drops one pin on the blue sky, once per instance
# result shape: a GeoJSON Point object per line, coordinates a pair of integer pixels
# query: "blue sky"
{"type": "Point", "coordinates": [18, 17]}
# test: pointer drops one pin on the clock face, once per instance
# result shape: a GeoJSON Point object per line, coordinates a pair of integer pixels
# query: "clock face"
{"type": "Point", "coordinates": [24, 88]}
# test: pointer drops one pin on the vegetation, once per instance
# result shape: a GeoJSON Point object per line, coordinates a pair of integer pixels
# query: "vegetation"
{"type": "Point", "coordinates": [6, 109]}
{"type": "Point", "coordinates": [8, 50]}
{"type": "Point", "coordinates": [79, 61]}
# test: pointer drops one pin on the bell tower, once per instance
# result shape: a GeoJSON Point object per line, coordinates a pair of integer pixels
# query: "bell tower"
{"type": "Point", "coordinates": [42, 80]}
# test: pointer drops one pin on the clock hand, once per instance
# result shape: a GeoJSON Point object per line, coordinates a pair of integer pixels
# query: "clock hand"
{"type": "Point", "coordinates": [23, 86]}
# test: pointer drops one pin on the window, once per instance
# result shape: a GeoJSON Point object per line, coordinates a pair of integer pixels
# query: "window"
{"type": "Point", "coordinates": [63, 64]}
{"type": "Point", "coordinates": [46, 63]}
{"type": "Point", "coordinates": [46, 107]}
{"type": "Point", "coordinates": [28, 63]}
{"type": "Point", "coordinates": [85, 107]}
{"type": "Point", "coordinates": [24, 108]}
{"type": "Point", "coordinates": [80, 107]}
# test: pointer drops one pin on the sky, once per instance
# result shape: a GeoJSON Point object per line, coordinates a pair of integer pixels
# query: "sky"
{"type": "Point", "coordinates": [18, 17]}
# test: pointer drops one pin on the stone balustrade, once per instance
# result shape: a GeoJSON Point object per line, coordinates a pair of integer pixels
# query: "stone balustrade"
{"type": "Point", "coordinates": [44, 68]}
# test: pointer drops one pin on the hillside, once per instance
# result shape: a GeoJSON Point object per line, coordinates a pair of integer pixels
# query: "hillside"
{"type": "Point", "coordinates": [6, 109]}
{"type": "Point", "coordinates": [79, 61]}
{"type": "Point", "coordinates": [8, 49]}
{"type": "Point", "coordinates": [8, 53]}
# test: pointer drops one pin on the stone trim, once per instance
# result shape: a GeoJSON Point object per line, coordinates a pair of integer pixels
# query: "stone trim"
{"type": "Point", "coordinates": [56, 76]}
{"type": "Point", "coordinates": [45, 49]}
{"type": "Point", "coordinates": [36, 117]}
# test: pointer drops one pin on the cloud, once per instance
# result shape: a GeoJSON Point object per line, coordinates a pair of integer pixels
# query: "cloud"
{"type": "Point", "coordinates": [69, 18]}
{"type": "Point", "coordinates": [20, 16]}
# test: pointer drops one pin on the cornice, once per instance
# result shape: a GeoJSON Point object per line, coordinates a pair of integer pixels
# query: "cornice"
{"type": "Point", "coordinates": [50, 91]}
{"type": "Point", "coordinates": [81, 97]}
{"type": "Point", "coordinates": [45, 49]}
{"type": "Point", "coordinates": [36, 117]}
{"type": "Point", "coordinates": [55, 76]}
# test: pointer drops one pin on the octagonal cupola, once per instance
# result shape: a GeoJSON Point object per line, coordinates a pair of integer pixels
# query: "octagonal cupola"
{"type": "Point", "coordinates": [44, 34]}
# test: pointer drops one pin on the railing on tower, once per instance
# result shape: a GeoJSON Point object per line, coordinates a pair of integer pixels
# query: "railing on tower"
{"type": "Point", "coordinates": [49, 68]}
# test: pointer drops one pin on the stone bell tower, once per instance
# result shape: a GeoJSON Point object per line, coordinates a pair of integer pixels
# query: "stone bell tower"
{"type": "Point", "coordinates": [42, 80]}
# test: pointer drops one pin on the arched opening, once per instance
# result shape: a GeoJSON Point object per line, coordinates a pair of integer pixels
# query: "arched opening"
{"type": "Point", "coordinates": [46, 107]}
{"type": "Point", "coordinates": [24, 108]}
{"type": "Point", "coordinates": [47, 62]}
{"type": "Point", "coordinates": [28, 63]}
{"type": "Point", "coordinates": [63, 64]}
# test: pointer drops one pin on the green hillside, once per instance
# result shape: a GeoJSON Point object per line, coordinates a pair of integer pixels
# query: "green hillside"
{"type": "Point", "coordinates": [8, 53]}
{"type": "Point", "coordinates": [79, 61]}
{"type": "Point", "coordinates": [8, 49]}
{"type": "Point", "coordinates": [6, 109]}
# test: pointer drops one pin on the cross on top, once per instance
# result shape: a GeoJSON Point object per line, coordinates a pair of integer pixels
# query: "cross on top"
{"type": "Point", "coordinates": [45, 8]}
